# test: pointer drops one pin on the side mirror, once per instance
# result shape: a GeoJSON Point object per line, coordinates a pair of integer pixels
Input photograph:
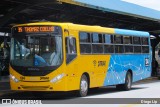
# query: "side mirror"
{"type": "Point", "coordinates": [71, 45]}
{"type": "Point", "coordinates": [71, 50]}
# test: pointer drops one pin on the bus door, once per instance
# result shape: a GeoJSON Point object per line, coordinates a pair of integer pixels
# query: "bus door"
{"type": "Point", "coordinates": [72, 64]}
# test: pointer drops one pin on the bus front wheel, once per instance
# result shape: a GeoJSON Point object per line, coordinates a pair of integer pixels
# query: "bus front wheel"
{"type": "Point", "coordinates": [83, 86]}
{"type": "Point", "coordinates": [128, 83]}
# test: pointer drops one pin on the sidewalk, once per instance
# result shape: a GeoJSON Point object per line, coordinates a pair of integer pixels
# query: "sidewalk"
{"type": "Point", "coordinates": [4, 83]}
{"type": "Point", "coordinates": [4, 78]}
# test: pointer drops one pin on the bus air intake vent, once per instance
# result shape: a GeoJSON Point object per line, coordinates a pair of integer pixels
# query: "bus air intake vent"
{"type": "Point", "coordinates": [35, 87]}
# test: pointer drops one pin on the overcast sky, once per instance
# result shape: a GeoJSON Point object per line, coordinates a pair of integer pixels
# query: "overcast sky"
{"type": "Point", "coordinates": [154, 4]}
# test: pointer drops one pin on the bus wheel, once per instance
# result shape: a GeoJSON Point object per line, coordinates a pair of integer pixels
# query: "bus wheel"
{"type": "Point", "coordinates": [127, 85]}
{"type": "Point", "coordinates": [83, 86]}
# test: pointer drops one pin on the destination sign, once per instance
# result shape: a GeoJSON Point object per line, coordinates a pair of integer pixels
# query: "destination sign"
{"type": "Point", "coordinates": [35, 29]}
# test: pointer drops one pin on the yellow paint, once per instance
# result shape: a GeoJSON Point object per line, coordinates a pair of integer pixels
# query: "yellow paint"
{"type": "Point", "coordinates": [74, 70]}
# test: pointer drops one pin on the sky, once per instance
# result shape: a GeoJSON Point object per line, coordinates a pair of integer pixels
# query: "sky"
{"type": "Point", "coordinates": [153, 4]}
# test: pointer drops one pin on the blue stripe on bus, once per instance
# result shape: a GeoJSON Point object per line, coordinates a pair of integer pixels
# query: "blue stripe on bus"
{"type": "Point", "coordinates": [131, 32]}
{"type": "Point", "coordinates": [120, 64]}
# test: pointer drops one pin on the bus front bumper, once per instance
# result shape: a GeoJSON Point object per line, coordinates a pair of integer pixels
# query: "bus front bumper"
{"type": "Point", "coordinates": [38, 86]}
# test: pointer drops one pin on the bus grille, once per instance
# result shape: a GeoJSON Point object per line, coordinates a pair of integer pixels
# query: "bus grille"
{"type": "Point", "coordinates": [35, 87]}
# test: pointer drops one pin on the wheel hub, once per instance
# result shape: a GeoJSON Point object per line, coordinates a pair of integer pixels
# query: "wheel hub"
{"type": "Point", "coordinates": [129, 81]}
{"type": "Point", "coordinates": [84, 86]}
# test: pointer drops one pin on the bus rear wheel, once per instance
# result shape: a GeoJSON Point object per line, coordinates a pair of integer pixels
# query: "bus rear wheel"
{"type": "Point", "coordinates": [83, 86]}
{"type": "Point", "coordinates": [127, 85]}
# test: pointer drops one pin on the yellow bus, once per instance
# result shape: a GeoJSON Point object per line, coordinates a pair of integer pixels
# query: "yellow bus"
{"type": "Point", "coordinates": [49, 56]}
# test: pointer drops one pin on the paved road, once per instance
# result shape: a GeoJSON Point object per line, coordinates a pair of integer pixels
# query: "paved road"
{"type": "Point", "coordinates": [147, 90]}
{"type": "Point", "coordinates": [143, 89]}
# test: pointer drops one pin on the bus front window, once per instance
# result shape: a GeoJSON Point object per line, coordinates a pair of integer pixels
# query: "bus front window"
{"type": "Point", "coordinates": [36, 50]}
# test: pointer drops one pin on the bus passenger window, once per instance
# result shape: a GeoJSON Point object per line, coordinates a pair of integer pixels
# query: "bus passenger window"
{"type": "Point", "coordinates": [119, 49]}
{"type": "Point", "coordinates": [97, 48]}
{"type": "Point", "coordinates": [108, 39]}
{"type": "Point", "coordinates": [128, 49]}
{"type": "Point", "coordinates": [137, 49]}
{"type": "Point", "coordinates": [108, 48]}
{"type": "Point", "coordinates": [97, 41]}
{"type": "Point", "coordinates": [97, 38]}
{"type": "Point", "coordinates": [136, 40]}
{"type": "Point", "coordinates": [144, 41]}
{"type": "Point", "coordinates": [145, 49]}
{"type": "Point", "coordinates": [127, 39]}
{"type": "Point", "coordinates": [118, 39]}
{"type": "Point", "coordinates": [85, 42]}
{"type": "Point", "coordinates": [85, 48]}
{"type": "Point", "coordinates": [84, 37]}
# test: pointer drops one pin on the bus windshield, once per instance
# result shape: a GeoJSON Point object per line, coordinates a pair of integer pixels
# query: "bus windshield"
{"type": "Point", "coordinates": [36, 50]}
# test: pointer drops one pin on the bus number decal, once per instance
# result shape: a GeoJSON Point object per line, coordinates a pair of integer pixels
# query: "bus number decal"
{"type": "Point", "coordinates": [20, 29]}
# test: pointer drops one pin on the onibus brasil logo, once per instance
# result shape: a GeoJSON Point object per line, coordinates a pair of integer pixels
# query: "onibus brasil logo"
{"type": "Point", "coordinates": [14, 101]}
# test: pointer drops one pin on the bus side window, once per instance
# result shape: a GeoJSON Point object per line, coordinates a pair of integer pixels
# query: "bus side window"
{"type": "Point", "coordinates": [145, 41]}
{"type": "Point", "coordinates": [97, 46]}
{"type": "Point", "coordinates": [108, 43]}
{"type": "Point", "coordinates": [136, 40]}
{"type": "Point", "coordinates": [71, 51]}
{"type": "Point", "coordinates": [145, 49]}
{"type": "Point", "coordinates": [145, 45]}
{"type": "Point", "coordinates": [118, 39]}
{"type": "Point", "coordinates": [85, 42]}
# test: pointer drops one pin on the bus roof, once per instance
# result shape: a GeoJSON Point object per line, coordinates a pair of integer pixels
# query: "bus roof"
{"type": "Point", "coordinates": [131, 32]}
{"type": "Point", "coordinates": [109, 30]}
{"type": "Point", "coordinates": [41, 23]}
{"type": "Point", "coordinates": [91, 28]}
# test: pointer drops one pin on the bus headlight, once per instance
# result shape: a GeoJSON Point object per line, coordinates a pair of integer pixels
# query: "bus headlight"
{"type": "Point", "coordinates": [57, 78]}
{"type": "Point", "coordinates": [14, 78]}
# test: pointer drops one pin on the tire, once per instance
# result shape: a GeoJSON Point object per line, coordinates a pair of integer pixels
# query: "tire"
{"type": "Point", "coordinates": [127, 85]}
{"type": "Point", "coordinates": [83, 90]}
